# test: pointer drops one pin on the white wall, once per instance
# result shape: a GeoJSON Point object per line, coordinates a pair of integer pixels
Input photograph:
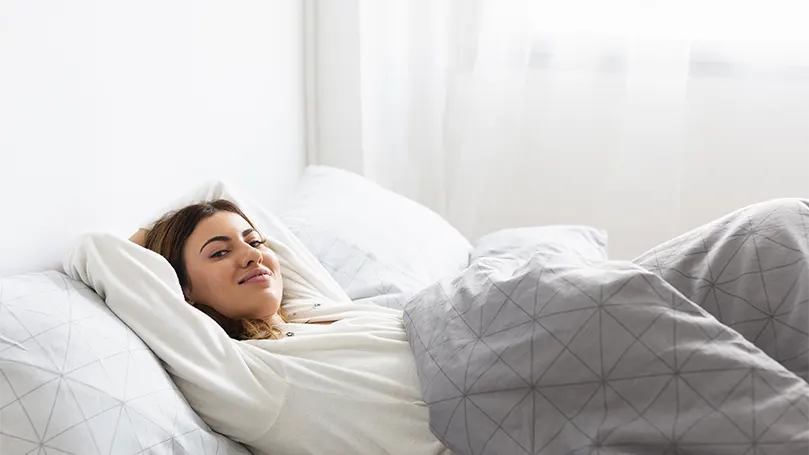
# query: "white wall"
{"type": "Point", "coordinates": [333, 75]}
{"type": "Point", "coordinates": [107, 108]}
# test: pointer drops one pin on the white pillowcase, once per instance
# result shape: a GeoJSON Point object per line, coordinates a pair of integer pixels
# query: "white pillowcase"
{"type": "Point", "coordinates": [522, 243]}
{"type": "Point", "coordinates": [75, 379]}
{"type": "Point", "coordinates": [379, 246]}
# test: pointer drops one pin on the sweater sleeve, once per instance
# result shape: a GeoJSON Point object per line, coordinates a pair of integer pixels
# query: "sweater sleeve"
{"type": "Point", "coordinates": [234, 392]}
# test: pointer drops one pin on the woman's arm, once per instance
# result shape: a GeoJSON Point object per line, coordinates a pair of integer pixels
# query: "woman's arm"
{"type": "Point", "coordinates": [226, 385]}
{"type": "Point", "coordinates": [139, 238]}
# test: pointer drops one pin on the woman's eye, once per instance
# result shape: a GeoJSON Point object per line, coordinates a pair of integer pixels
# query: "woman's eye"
{"type": "Point", "coordinates": [219, 254]}
{"type": "Point", "coordinates": [256, 243]}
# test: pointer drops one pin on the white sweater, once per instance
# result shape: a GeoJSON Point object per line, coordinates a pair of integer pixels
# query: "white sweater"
{"type": "Point", "coordinates": [345, 388]}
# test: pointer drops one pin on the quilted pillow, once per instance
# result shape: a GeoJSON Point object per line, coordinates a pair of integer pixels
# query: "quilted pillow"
{"type": "Point", "coordinates": [379, 246]}
{"type": "Point", "coordinates": [75, 379]}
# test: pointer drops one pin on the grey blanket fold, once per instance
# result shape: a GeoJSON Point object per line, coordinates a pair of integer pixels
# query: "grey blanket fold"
{"type": "Point", "coordinates": [697, 347]}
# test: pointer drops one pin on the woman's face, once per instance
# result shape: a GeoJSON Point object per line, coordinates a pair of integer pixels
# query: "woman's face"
{"type": "Point", "coordinates": [231, 270]}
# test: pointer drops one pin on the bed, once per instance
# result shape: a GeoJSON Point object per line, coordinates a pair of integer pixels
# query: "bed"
{"type": "Point", "coordinates": [625, 357]}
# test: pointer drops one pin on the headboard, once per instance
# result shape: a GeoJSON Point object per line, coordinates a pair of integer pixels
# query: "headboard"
{"type": "Point", "coordinates": [111, 109]}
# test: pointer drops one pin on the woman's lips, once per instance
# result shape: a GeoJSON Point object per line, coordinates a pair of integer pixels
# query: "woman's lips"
{"type": "Point", "coordinates": [263, 278]}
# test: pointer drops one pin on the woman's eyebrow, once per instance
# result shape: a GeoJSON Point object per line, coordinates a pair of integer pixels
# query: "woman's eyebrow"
{"type": "Point", "coordinates": [218, 238]}
{"type": "Point", "coordinates": [224, 238]}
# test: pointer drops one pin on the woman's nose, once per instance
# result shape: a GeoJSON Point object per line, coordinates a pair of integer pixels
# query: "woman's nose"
{"type": "Point", "coordinates": [250, 255]}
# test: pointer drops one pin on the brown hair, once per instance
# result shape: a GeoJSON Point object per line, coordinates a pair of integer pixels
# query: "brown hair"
{"type": "Point", "coordinates": [168, 237]}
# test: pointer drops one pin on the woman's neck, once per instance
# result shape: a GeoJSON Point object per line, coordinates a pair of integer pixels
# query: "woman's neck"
{"type": "Point", "coordinates": [275, 319]}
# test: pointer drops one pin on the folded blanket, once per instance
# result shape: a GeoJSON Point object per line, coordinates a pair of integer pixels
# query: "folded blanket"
{"type": "Point", "coordinates": [560, 355]}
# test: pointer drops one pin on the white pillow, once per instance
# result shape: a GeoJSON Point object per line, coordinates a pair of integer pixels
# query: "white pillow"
{"type": "Point", "coordinates": [75, 379]}
{"type": "Point", "coordinates": [521, 243]}
{"type": "Point", "coordinates": [379, 246]}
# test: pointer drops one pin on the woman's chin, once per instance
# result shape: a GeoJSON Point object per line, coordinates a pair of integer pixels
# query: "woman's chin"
{"type": "Point", "coordinates": [266, 312]}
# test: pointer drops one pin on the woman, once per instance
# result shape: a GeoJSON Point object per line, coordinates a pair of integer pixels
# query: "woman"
{"type": "Point", "coordinates": [318, 375]}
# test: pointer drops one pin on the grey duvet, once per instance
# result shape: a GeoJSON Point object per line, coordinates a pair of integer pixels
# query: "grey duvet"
{"type": "Point", "coordinates": [698, 346]}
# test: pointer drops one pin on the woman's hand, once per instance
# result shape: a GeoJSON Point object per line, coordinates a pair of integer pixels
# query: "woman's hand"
{"type": "Point", "coordinates": [139, 237]}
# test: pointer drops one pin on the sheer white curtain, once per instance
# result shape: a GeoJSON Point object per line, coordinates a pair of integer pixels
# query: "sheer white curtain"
{"type": "Point", "coordinates": [643, 118]}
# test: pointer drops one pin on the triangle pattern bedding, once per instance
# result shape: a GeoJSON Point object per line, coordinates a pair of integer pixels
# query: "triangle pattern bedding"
{"type": "Point", "coordinates": [699, 346]}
